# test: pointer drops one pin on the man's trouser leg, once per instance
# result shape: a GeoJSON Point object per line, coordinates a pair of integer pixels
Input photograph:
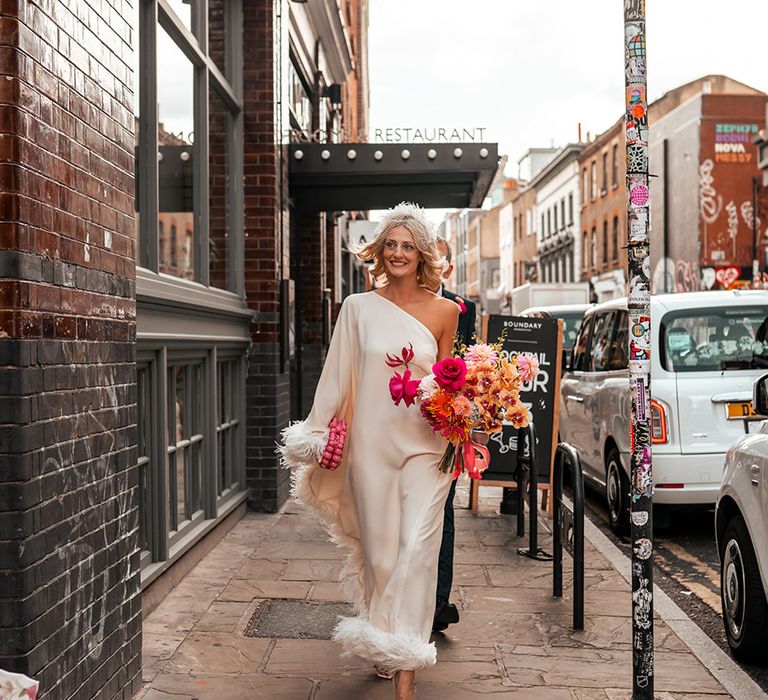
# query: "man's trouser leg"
{"type": "Point", "coordinates": [445, 563]}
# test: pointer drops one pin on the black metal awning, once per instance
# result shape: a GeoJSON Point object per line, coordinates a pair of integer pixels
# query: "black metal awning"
{"type": "Point", "coordinates": [362, 176]}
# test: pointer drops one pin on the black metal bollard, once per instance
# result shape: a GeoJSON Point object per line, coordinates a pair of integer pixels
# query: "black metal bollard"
{"type": "Point", "coordinates": [520, 493]}
{"type": "Point", "coordinates": [531, 461]}
{"type": "Point", "coordinates": [568, 530]}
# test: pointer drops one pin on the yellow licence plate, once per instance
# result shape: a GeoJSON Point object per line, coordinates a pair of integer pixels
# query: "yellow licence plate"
{"type": "Point", "coordinates": [741, 411]}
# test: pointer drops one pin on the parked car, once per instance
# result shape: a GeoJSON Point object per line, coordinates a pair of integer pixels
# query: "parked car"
{"type": "Point", "coordinates": [741, 524]}
{"type": "Point", "coordinates": [572, 315]}
{"type": "Point", "coordinates": [707, 348]}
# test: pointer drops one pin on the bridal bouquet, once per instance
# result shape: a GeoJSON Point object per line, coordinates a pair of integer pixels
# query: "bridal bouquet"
{"type": "Point", "coordinates": [478, 388]}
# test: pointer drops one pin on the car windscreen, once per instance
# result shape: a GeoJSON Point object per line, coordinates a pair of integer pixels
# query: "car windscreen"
{"type": "Point", "coordinates": [715, 339]}
{"type": "Point", "coordinates": [571, 323]}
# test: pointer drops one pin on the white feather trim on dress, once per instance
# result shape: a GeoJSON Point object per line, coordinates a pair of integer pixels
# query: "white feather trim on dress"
{"type": "Point", "coordinates": [300, 445]}
{"type": "Point", "coordinates": [394, 652]}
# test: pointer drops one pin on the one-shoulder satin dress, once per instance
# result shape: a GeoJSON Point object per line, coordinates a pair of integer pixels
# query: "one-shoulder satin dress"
{"type": "Point", "coordinates": [386, 500]}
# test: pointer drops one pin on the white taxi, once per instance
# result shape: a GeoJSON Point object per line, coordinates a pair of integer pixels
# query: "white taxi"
{"type": "Point", "coordinates": [742, 537]}
{"type": "Point", "coordinates": [707, 350]}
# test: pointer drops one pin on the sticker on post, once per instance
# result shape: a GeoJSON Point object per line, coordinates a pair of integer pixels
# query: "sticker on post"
{"type": "Point", "coordinates": [639, 290]}
{"type": "Point", "coordinates": [640, 518]}
{"type": "Point", "coordinates": [638, 224]}
{"type": "Point", "coordinates": [640, 397]}
{"type": "Point", "coordinates": [642, 599]}
{"type": "Point", "coordinates": [638, 368]}
{"type": "Point", "coordinates": [643, 548]}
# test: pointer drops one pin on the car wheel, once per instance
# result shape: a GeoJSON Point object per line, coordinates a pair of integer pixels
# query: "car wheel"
{"type": "Point", "coordinates": [745, 611]}
{"type": "Point", "coordinates": [616, 493]}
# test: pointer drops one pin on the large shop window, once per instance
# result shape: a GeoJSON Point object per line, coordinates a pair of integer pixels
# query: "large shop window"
{"type": "Point", "coordinates": [189, 143]}
{"type": "Point", "coordinates": [190, 405]}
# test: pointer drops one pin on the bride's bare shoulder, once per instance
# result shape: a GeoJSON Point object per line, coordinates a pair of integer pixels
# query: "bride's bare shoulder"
{"type": "Point", "coordinates": [445, 308]}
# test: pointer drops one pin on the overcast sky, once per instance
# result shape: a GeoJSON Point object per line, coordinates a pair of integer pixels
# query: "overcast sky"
{"type": "Point", "coordinates": [531, 70]}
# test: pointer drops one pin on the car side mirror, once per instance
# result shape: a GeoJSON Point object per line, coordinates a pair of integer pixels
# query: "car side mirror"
{"type": "Point", "coordinates": [760, 396]}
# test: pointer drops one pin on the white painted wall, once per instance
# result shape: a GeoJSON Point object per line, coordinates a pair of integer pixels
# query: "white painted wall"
{"type": "Point", "coordinates": [563, 183]}
{"type": "Point", "coordinates": [506, 245]}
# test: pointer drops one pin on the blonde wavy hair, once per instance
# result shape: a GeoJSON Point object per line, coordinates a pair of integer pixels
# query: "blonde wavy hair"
{"type": "Point", "coordinates": [410, 217]}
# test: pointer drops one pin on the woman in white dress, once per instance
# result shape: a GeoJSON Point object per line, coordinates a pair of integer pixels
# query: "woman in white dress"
{"type": "Point", "coordinates": [386, 500]}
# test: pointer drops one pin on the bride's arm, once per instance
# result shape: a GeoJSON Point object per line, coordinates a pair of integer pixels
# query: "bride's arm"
{"type": "Point", "coordinates": [303, 442]}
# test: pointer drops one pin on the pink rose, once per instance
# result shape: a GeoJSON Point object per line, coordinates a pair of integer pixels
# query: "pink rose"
{"type": "Point", "coordinates": [450, 373]}
{"type": "Point", "coordinates": [403, 388]}
{"type": "Point", "coordinates": [462, 305]}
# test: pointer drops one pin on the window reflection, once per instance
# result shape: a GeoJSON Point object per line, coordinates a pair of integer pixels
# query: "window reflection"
{"type": "Point", "coordinates": [175, 94]}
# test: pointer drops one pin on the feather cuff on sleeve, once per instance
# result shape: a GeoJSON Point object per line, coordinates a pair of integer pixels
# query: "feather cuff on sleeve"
{"type": "Point", "coordinates": [300, 445]}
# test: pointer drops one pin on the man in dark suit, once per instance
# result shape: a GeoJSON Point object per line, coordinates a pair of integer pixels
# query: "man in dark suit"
{"type": "Point", "coordinates": [446, 612]}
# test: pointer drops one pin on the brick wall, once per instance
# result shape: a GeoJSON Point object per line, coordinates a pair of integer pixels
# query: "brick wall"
{"type": "Point", "coordinates": [599, 211]}
{"type": "Point", "coordinates": [266, 248]}
{"type": "Point", "coordinates": [69, 599]}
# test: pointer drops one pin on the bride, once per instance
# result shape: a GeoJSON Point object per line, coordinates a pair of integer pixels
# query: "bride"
{"type": "Point", "coordinates": [385, 501]}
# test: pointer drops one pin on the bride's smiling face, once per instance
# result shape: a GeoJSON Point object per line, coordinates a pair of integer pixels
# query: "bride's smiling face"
{"type": "Point", "coordinates": [401, 256]}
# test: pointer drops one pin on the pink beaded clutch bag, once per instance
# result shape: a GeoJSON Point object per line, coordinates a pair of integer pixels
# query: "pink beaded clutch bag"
{"type": "Point", "coordinates": [334, 448]}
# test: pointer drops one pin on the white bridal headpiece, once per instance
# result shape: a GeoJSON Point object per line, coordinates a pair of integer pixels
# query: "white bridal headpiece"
{"type": "Point", "coordinates": [412, 217]}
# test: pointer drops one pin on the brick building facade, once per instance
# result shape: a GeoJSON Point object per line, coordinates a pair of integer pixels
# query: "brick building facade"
{"type": "Point", "coordinates": [679, 118]}
{"type": "Point", "coordinates": [603, 213]}
{"type": "Point", "coordinates": [70, 605]}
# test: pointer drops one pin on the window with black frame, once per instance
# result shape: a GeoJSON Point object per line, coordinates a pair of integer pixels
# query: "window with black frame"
{"type": "Point", "coordinates": [189, 140]}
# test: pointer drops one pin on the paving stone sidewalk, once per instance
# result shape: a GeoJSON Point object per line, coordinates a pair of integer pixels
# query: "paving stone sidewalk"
{"type": "Point", "coordinates": [514, 640]}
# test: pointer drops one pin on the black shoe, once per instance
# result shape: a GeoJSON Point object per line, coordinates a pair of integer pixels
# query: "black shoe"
{"type": "Point", "coordinates": [445, 614]}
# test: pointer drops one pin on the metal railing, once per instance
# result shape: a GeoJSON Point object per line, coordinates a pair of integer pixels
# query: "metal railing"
{"type": "Point", "coordinates": [568, 530]}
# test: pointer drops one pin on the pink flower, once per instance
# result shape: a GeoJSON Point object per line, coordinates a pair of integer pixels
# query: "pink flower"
{"type": "Point", "coordinates": [450, 373]}
{"type": "Point", "coordinates": [528, 366]}
{"type": "Point", "coordinates": [406, 355]}
{"type": "Point", "coordinates": [462, 305]}
{"type": "Point", "coordinates": [461, 405]}
{"type": "Point", "coordinates": [481, 353]}
{"type": "Point", "coordinates": [403, 388]}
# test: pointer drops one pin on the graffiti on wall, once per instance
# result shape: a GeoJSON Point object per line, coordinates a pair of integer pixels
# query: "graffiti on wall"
{"type": "Point", "coordinates": [671, 275]}
{"type": "Point", "coordinates": [726, 171]}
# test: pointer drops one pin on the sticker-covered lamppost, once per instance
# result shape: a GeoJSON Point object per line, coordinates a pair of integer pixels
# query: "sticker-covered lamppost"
{"type": "Point", "coordinates": [639, 305]}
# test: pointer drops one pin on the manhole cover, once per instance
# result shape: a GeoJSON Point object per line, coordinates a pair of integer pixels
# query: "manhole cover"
{"type": "Point", "coordinates": [295, 619]}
